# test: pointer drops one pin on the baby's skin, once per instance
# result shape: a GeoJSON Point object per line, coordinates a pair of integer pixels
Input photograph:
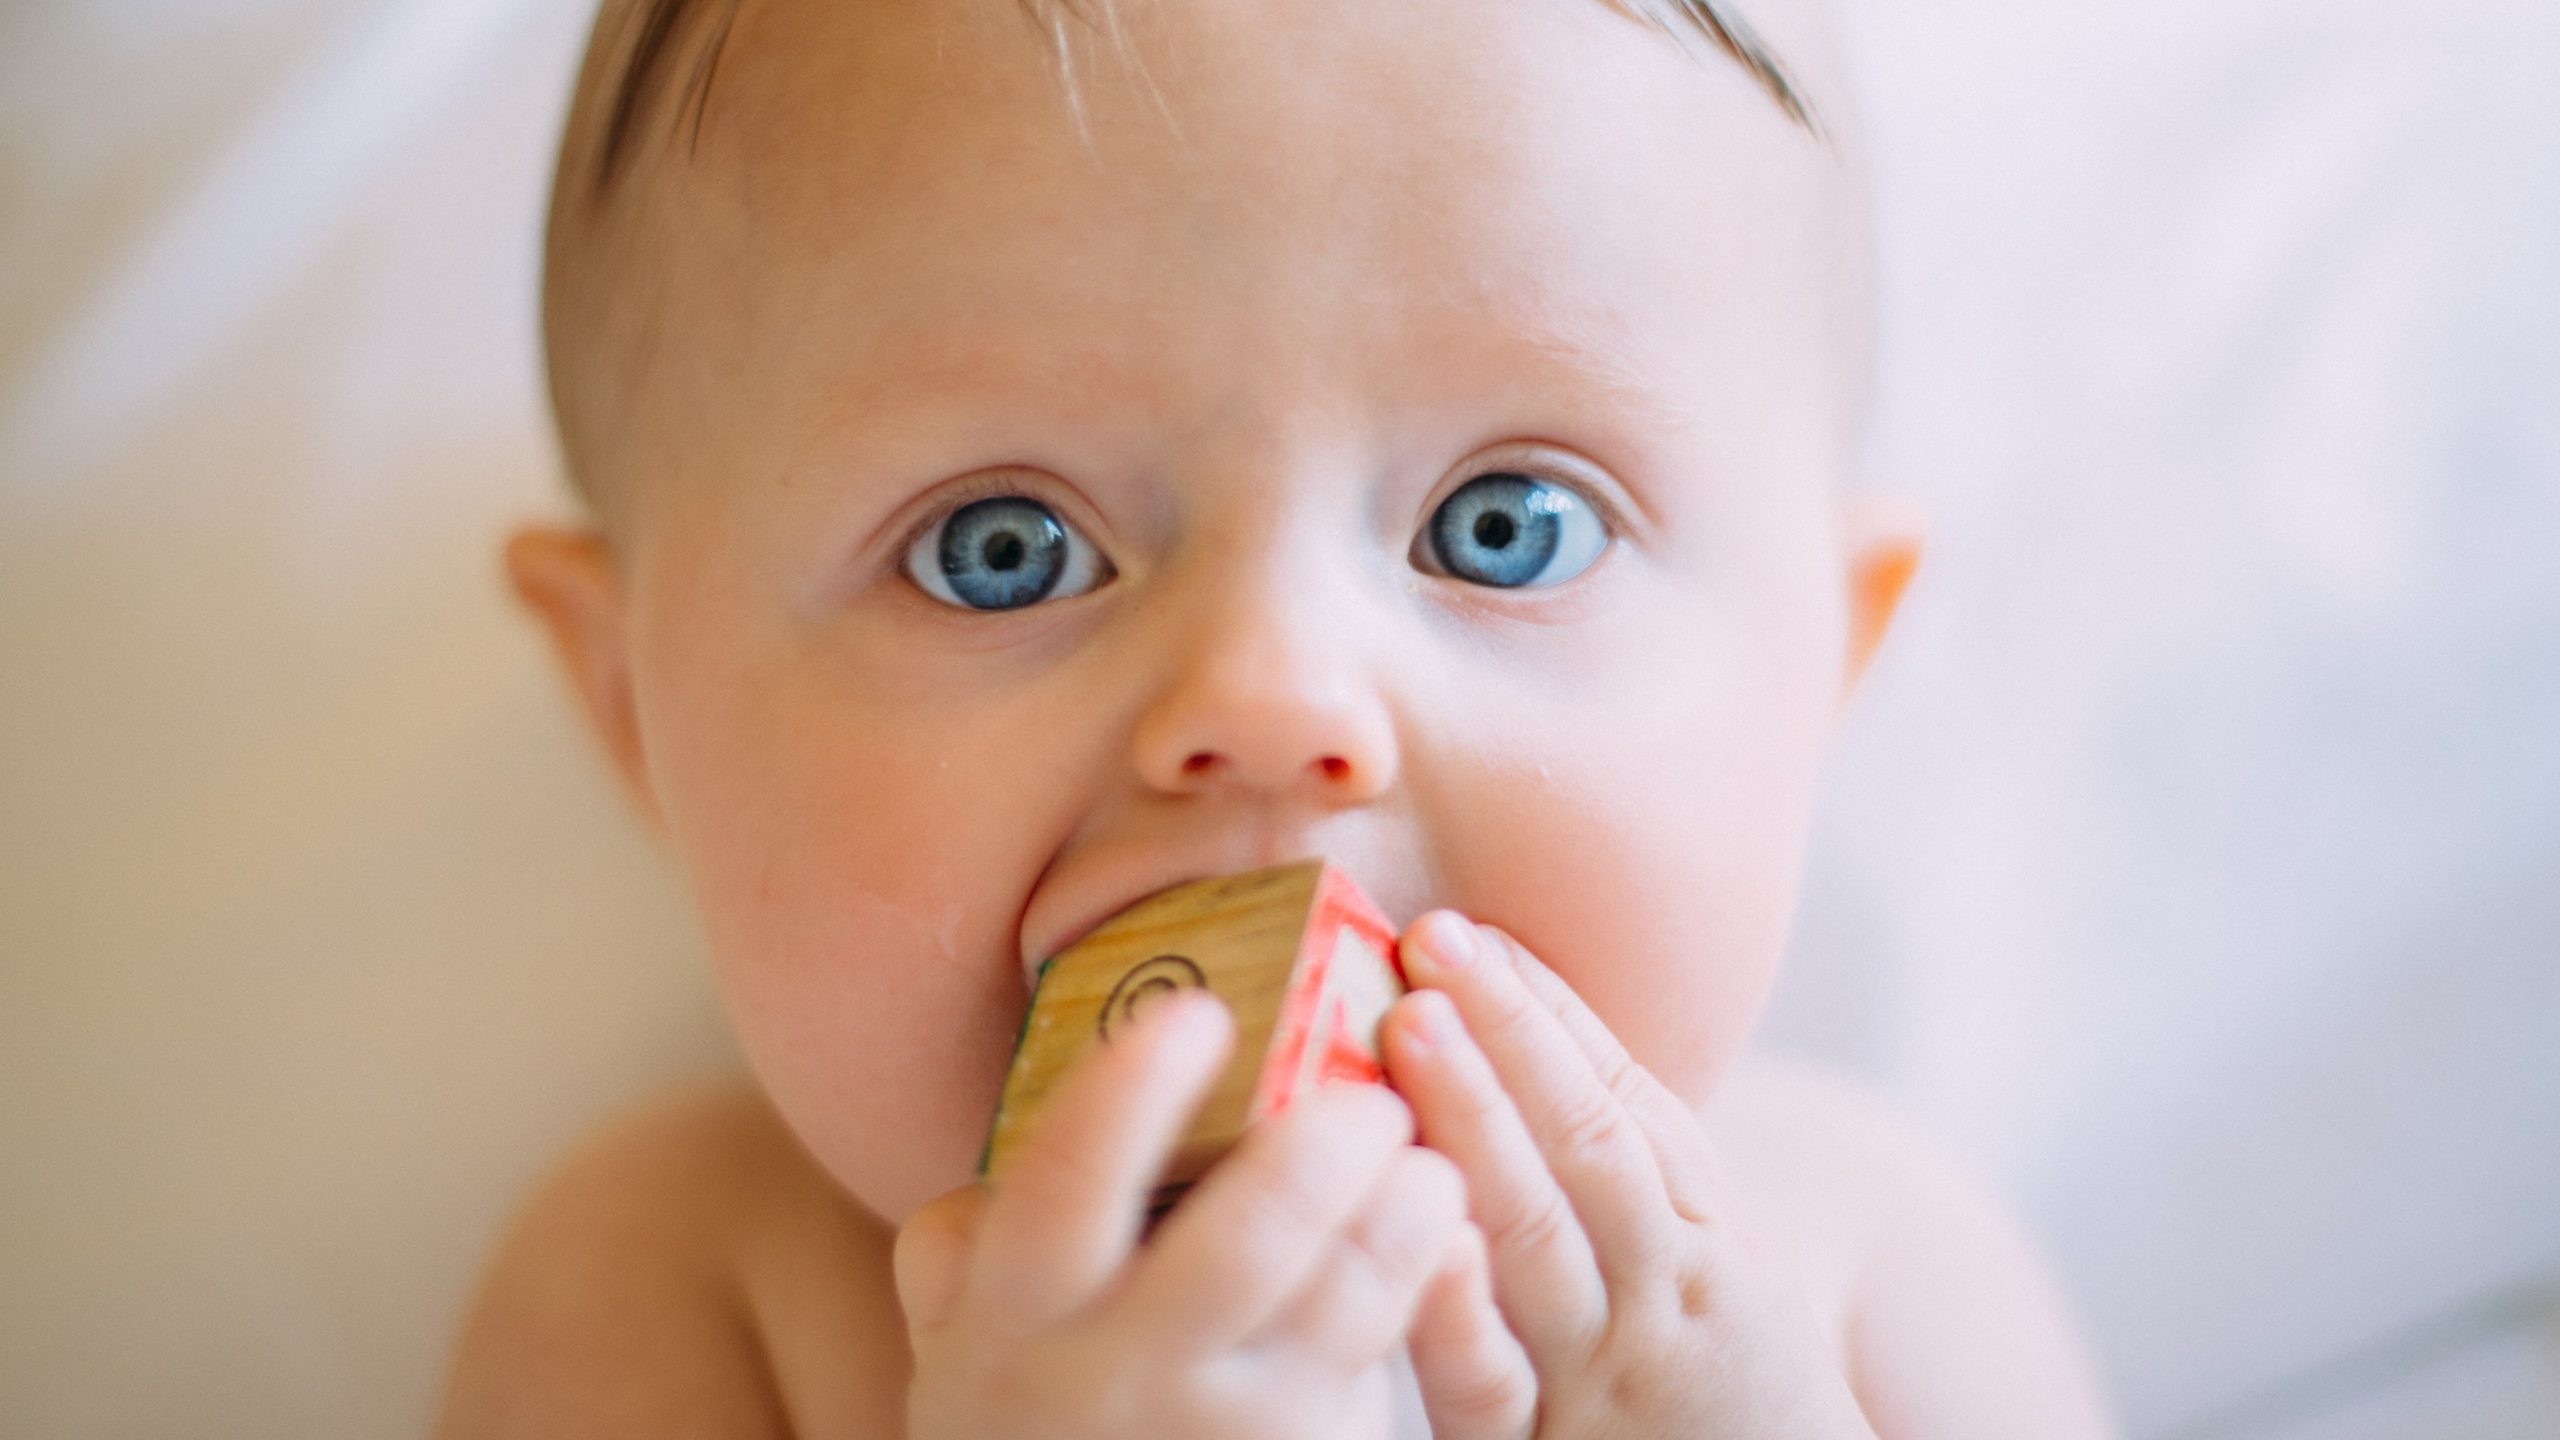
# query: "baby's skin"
{"type": "Point", "coordinates": [1411, 432]}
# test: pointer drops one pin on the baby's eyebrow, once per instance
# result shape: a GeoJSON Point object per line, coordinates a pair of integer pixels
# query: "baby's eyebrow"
{"type": "Point", "coordinates": [660, 23]}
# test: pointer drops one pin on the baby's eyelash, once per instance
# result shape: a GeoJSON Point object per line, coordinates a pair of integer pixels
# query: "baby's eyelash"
{"type": "Point", "coordinates": [1548, 463]}
{"type": "Point", "coordinates": [967, 493]}
{"type": "Point", "coordinates": [1611, 514]}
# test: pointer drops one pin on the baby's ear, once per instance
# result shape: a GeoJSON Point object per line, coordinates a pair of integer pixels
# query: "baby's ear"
{"type": "Point", "coordinates": [566, 578]}
{"type": "Point", "coordinates": [1881, 539]}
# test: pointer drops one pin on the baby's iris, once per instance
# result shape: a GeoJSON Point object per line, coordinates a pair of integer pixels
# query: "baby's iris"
{"type": "Point", "coordinates": [1515, 531]}
{"type": "Point", "coordinates": [1002, 554]}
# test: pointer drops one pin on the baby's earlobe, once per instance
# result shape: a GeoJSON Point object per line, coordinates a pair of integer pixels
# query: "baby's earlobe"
{"type": "Point", "coordinates": [566, 577]}
{"type": "Point", "coordinates": [1882, 540]}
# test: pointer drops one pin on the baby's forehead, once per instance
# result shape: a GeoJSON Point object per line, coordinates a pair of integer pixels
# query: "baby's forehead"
{"type": "Point", "coordinates": [1513, 182]}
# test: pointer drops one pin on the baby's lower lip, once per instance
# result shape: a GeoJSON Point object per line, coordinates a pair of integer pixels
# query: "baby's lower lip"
{"type": "Point", "coordinates": [1036, 956]}
{"type": "Point", "coordinates": [1063, 940]}
{"type": "Point", "coordinates": [1033, 958]}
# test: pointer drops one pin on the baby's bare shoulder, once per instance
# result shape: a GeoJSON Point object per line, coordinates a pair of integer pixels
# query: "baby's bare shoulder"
{"type": "Point", "coordinates": [1947, 1318]}
{"type": "Point", "coordinates": [682, 1273]}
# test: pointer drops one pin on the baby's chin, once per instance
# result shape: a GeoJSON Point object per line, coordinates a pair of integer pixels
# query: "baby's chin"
{"type": "Point", "coordinates": [889, 1178]}
{"type": "Point", "coordinates": [890, 1144]}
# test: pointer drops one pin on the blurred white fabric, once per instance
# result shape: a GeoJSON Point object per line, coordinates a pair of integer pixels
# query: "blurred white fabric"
{"type": "Point", "coordinates": [2194, 865]}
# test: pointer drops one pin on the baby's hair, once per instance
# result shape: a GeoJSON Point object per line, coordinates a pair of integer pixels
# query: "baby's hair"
{"type": "Point", "coordinates": [660, 22]}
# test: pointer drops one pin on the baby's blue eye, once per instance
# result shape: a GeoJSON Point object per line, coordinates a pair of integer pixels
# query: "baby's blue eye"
{"type": "Point", "coordinates": [1003, 554]}
{"type": "Point", "coordinates": [1514, 531]}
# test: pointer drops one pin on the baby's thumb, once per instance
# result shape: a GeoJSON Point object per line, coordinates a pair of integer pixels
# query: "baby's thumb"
{"type": "Point", "coordinates": [931, 1260]}
{"type": "Point", "coordinates": [1475, 1379]}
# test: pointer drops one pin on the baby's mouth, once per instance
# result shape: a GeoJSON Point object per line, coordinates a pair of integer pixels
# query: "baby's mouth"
{"type": "Point", "coordinates": [1063, 911]}
{"type": "Point", "coordinates": [1039, 946]}
{"type": "Point", "coordinates": [1082, 888]}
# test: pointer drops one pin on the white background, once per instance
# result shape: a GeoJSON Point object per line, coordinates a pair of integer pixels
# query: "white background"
{"type": "Point", "coordinates": [2193, 867]}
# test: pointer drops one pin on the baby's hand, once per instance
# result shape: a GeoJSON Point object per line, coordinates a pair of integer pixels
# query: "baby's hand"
{"type": "Point", "coordinates": [1265, 1305]}
{"type": "Point", "coordinates": [1634, 1303]}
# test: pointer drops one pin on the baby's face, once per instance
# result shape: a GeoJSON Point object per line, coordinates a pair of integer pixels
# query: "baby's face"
{"type": "Point", "coordinates": [1403, 433]}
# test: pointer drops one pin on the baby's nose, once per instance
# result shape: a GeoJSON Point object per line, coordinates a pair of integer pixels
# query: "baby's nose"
{"type": "Point", "coordinates": [1261, 707]}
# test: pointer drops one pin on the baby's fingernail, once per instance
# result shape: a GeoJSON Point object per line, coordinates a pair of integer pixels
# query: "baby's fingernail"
{"type": "Point", "coordinates": [1428, 1029]}
{"type": "Point", "coordinates": [1439, 1017]}
{"type": "Point", "coordinates": [1451, 940]}
{"type": "Point", "coordinates": [1184, 1014]}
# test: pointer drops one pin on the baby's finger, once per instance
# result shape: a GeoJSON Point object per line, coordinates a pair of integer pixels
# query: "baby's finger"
{"type": "Point", "coordinates": [932, 1254]}
{"type": "Point", "coordinates": [1602, 1160]}
{"type": "Point", "coordinates": [1543, 1265]}
{"type": "Point", "coordinates": [1476, 1381]}
{"type": "Point", "coordinates": [1062, 1218]}
{"type": "Point", "coordinates": [1250, 1235]}
{"type": "Point", "coordinates": [1680, 1148]}
{"type": "Point", "coordinates": [1356, 1309]}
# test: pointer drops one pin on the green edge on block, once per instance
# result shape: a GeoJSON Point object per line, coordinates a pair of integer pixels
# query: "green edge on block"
{"type": "Point", "coordinates": [987, 1151]}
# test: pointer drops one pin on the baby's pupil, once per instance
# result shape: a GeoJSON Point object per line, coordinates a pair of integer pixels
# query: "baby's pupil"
{"type": "Point", "coordinates": [1005, 552]}
{"type": "Point", "coordinates": [1495, 532]}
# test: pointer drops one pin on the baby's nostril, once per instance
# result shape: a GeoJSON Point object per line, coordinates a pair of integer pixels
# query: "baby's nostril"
{"type": "Point", "coordinates": [1199, 763]}
{"type": "Point", "coordinates": [1335, 767]}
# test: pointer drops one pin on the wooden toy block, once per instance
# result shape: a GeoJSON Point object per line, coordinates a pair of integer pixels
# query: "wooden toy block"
{"type": "Point", "coordinates": [1303, 960]}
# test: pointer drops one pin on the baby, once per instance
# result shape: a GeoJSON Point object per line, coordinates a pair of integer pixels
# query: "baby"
{"type": "Point", "coordinates": [1043, 452]}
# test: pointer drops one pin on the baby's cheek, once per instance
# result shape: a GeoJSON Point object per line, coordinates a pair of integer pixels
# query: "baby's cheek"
{"type": "Point", "coordinates": [1682, 981]}
{"type": "Point", "coordinates": [862, 939]}
{"type": "Point", "coordinates": [1660, 891]}
{"type": "Point", "coordinates": [880, 1051]}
